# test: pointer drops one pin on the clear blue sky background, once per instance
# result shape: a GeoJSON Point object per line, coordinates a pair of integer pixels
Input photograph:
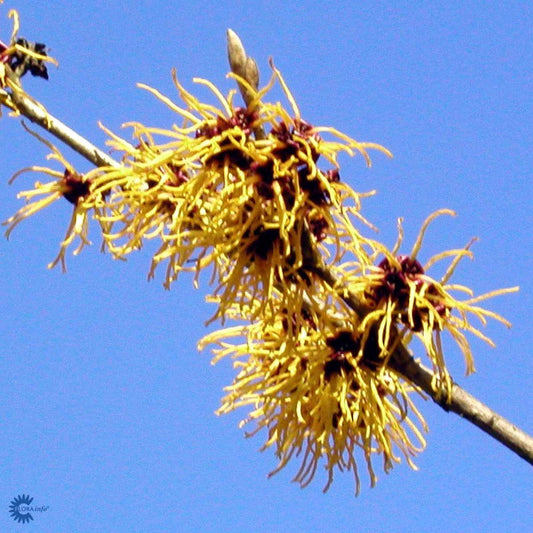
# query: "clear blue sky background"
{"type": "Point", "coordinates": [106, 405]}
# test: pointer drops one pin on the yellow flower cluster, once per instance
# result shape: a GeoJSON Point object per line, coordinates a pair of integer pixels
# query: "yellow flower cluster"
{"type": "Point", "coordinates": [255, 195]}
{"type": "Point", "coordinates": [399, 295]}
{"type": "Point", "coordinates": [321, 391]}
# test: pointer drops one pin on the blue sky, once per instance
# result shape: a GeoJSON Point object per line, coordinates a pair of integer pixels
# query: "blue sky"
{"type": "Point", "coordinates": [107, 409]}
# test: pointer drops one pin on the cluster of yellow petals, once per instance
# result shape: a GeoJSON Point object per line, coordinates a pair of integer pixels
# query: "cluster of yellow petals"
{"type": "Point", "coordinates": [403, 301]}
{"type": "Point", "coordinates": [214, 194]}
{"type": "Point", "coordinates": [319, 396]}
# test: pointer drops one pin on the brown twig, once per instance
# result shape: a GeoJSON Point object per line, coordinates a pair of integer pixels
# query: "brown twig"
{"type": "Point", "coordinates": [466, 406]}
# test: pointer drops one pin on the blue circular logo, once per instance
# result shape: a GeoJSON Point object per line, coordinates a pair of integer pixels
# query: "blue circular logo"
{"type": "Point", "coordinates": [20, 507]}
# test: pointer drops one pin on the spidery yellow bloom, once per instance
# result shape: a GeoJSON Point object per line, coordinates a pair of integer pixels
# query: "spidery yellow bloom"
{"type": "Point", "coordinates": [216, 195]}
{"type": "Point", "coordinates": [401, 296]}
{"type": "Point", "coordinates": [70, 185]}
{"type": "Point", "coordinates": [320, 396]}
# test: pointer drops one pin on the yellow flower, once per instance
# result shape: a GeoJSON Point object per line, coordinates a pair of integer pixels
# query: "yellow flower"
{"type": "Point", "coordinates": [321, 396]}
{"type": "Point", "coordinates": [239, 190]}
{"type": "Point", "coordinates": [73, 187]}
{"type": "Point", "coordinates": [217, 193]}
{"type": "Point", "coordinates": [401, 296]}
